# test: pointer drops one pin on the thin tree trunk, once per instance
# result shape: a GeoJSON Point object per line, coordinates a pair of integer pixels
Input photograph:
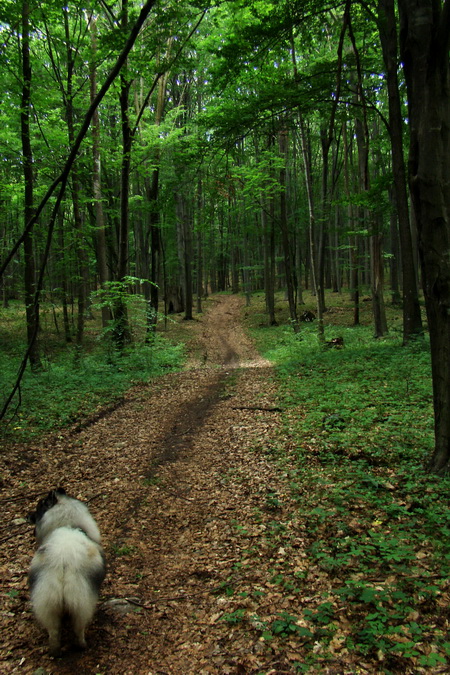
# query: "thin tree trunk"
{"type": "Point", "coordinates": [306, 153]}
{"type": "Point", "coordinates": [375, 249]}
{"type": "Point", "coordinates": [185, 253]}
{"type": "Point", "coordinates": [287, 247]}
{"type": "Point", "coordinates": [82, 276]}
{"type": "Point", "coordinates": [269, 262]}
{"type": "Point", "coordinates": [395, 251]}
{"type": "Point", "coordinates": [100, 233]}
{"type": "Point", "coordinates": [31, 301]}
{"type": "Point", "coordinates": [200, 290]}
{"type": "Point", "coordinates": [412, 320]}
{"type": "Point", "coordinates": [122, 334]}
{"type": "Point", "coordinates": [353, 239]}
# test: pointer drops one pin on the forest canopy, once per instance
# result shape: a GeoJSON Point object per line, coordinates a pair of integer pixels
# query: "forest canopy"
{"type": "Point", "coordinates": [169, 149]}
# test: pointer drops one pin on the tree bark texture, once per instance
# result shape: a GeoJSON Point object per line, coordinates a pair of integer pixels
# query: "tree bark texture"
{"type": "Point", "coordinates": [424, 35]}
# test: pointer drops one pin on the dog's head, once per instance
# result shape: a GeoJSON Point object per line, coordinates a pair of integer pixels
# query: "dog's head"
{"type": "Point", "coordinates": [45, 504]}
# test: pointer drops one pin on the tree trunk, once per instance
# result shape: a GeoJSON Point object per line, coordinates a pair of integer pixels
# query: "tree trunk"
{"type": "Point", "coordinates": [31, 301]}
{"type": "Point", "coordinates": [376, 251]}
{"type": "Point", "coordinates": [269, 262]}
{"type": "Point", "coordinates": [425, 32]}
{"type": "Point", "coordinates": [100, 233]}
{"type": "Point", "coordinates": [412, 320]}
{"type": "Point", "coordinates": [353, 239]}
{"type": "Point", "coordinates": [306, 153]}
{"type": "Point", "coordinates": [287, 247]}
{"type": "Point", "coordinates": [122, 334]}
{"type": "Point", "coordinates": [185, 253]}
{"type": "Point", "coordinates": [395, 261]}
{"type": "Point", "coordinates": [199, 289]}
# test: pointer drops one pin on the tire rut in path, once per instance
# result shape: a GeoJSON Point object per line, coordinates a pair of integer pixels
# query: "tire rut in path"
{"type": "Point", "coordinates": [188, 546]}
{"type": "Point", "coordinates": [171, 470]}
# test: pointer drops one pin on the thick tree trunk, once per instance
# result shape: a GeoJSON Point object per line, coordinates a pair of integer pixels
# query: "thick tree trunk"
{"type": "Point", "coordinates": [425, 32]}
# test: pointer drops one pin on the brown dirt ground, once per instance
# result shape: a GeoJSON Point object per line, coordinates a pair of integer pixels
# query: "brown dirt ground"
{"type": "Point", "coordinates": [174, 477]}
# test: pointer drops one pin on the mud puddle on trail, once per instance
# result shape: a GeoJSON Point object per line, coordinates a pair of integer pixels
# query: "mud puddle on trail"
{"type": "Point", "coordinates": [169, 475]}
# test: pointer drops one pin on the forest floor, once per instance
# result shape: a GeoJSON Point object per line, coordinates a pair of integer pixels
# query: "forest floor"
{"type": "Point", "coordinates": [196, 517]}
{"type": "Point", "coordinates": [173, 475]}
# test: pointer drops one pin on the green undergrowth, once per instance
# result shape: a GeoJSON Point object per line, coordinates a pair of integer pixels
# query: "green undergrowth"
{"type": "Point", "coordinates": [73, 383]}
{"type": "Point", "coordinates": [358, 428]}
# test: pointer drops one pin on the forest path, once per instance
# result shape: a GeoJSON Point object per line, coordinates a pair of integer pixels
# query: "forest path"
{"type": "Point", "coordinates": [178, 479]}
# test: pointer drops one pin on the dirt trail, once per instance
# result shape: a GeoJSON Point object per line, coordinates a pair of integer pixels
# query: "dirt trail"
{"type": "Point", "coordinates": [170, 475]}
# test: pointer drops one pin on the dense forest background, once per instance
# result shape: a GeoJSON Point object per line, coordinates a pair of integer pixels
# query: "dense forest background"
{"type": "Point", "coordinates": [154, 154]}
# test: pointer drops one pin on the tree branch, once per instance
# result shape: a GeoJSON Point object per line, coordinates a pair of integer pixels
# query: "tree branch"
{"type": "Point", "coordinates": [62, 178]}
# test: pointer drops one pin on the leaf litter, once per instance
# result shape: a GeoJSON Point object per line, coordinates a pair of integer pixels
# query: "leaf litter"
{"type": "Point", "coordinates": [208, 565]}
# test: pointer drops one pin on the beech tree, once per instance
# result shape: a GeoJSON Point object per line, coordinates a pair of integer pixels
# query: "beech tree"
{"type": "Point", "coordinates": [425, 41]}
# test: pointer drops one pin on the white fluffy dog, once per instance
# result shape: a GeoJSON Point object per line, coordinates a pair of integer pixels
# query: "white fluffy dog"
{"type": "Point", "coordinates": [68, 567]}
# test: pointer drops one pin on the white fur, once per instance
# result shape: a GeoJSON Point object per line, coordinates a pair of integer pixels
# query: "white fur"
{"type": "Point", "coordinates": [67, 569]}
{"type": "Point", "coordinates": [68, 512]}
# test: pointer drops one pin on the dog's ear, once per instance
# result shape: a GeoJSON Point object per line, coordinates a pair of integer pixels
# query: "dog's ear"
{"type": "Point", "coordinates": [45, 504]}
{"type": "Point", "coordinates": [31, 517]}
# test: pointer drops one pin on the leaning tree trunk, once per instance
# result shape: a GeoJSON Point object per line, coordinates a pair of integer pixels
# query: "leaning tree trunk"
{"type": "Point", "coordinates": [425, 34]}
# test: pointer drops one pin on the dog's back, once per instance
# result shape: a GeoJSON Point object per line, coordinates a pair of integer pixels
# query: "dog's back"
{"type": "Point", "coordinates": [68, 567]}
{"type": "Point", "coordinates": [59, 510]}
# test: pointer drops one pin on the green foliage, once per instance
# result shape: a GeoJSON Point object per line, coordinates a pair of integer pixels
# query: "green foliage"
{"type": "Point", "coordinates": [76, 382]}
{"type": "Point", "coordinates": [125, 549]}
{"type": "Point", "coordinates": [235, 617]}
{"type": "Point", "coordinates": [286, 625]}
{"type": "Point", "coordinates": [358, 427]}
